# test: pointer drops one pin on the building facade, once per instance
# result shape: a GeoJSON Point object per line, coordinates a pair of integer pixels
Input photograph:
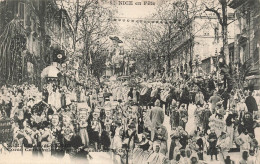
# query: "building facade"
{"type": "Point", "coordinates": [202, 42]}
{"type": "Point", "coordinates": [247, 36]}
{"type": "Point", "coordinates": [40, 24]}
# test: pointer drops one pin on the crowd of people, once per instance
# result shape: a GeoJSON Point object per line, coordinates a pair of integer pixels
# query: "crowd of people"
{"type": "Point", "coordinates": [117, 118]}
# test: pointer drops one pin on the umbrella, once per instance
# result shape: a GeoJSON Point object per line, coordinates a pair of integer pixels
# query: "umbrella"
{"type": "Point", "coordinates": [50, 71]}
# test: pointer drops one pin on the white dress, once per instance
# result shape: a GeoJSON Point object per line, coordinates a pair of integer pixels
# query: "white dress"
{"type": "Point", "coordinates": [83, 97]}
{"type": "Point", "coordinates": [57, 100]}
{"type": "Point", "coordinates": [191, 124]}
{"type": "Point", "coordinates": [51, 98]}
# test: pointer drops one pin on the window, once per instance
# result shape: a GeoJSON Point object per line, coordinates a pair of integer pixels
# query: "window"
{"type": "Point", "coordinates": [206, 29]}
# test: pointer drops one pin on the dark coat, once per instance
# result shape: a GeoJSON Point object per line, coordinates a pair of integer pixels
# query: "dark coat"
{"type": "Point", "coordinates": [183, 141]}
{"type": "Point", "coordinates": [174, 119]}
{"type": "Point", "coordinates": [251, 104]}
{"type": "Point", "coordinates": [212, 145]}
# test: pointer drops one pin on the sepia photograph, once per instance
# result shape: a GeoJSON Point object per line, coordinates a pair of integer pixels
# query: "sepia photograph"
{"type": "Point", "coordinates": [129, 81]}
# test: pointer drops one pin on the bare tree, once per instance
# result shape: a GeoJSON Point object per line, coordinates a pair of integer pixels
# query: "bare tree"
{"type": "Point", "coordinates": [223, 21]}
{"type": "Point", "coordinates": [91, 25]}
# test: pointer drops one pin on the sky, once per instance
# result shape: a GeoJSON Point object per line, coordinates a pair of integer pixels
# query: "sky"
{"type": "Point", "coordinates": [129, 12]}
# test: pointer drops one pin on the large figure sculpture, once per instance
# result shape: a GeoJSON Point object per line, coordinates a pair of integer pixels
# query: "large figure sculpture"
{"type": "Point", "coordinates": [116, 57]}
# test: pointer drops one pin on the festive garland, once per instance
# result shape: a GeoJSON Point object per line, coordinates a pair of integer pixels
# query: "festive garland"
{"type": "Point", "coordinates": [13, 42]}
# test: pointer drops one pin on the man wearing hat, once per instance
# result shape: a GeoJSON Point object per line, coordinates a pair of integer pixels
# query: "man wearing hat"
{"type": "Point", "coordinates": [156, 117]}
{"type": "Point", "coordinates": [156, 157]}
{"type": "Point", "coordinates": [212, 139]}
{"type": "Point", "coordinates": [205, 118]}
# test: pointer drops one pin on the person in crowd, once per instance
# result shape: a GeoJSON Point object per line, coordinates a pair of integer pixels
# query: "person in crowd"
{"type": "Point", "coordinates": [194, 160]}
{"type": "Point", "coordinates": [161, 135]}
{"type": "Point", "coordinates": [96, 127]}
{"type": "Point", "coordinates": [241, 107]}
{"type": "Point", "coordinates": [254, 143]}
{"type": "Point", "coordinates": [214, 100]}
{"type": "Point", "coordinates": [156, 117]}
{"type": "Point", "coordinates": [199, 98]}
{"type": "Point", "coordinates": [198, 116]}
{"type": "Point", "coordinates": [184, 159]}
{"type": "Point", "coordinates": [231, 100]}
{"type": "Point", "coordinates": [212, 139]}
{"type": "Point", "coordinates": [248, 123]}
{"type": "Point", "coordinates": [174, 116]}
{"type": "Point", "coordinates": [156, 157]}
{"type": "Point", "coordinates": [183, 137]}
{"type": "Point", "coordinates": [200, 144]}
{"type": "Point", "coordinates": [224, 145]}
{"type": "Point", "coordinates": [183, 118]}
{"type": "Point", "coordinates": [225, 96]}
{"type": "Point", "coordinates": [220, 111]}
{"type": "Point", "coordinates": [83, 124]}
{"type": "Point", "coordinates": [205, 118]}
{"type": "Point", "coordinates": [229, 161]}
{"type": "Point", "coordinates": [251, 103]}
{"type": "Point", "coordinates": [130, 93]}
{"type": "Point", "coordinates": [176, 160]}
{"type": "Point", "coordinates": [174, 139]}
{"type": "Point", "coordinates": [117, 141]}
{"type": "Point", "coordinates": [251, 158]}
{"type": "Point", "coordinates": [184, 97]}
{"type": "Point", "coordinates": [244, 159]}
{"type": "Point", "coordinates": [243, 140]}
{"type": "Point", "coordinates": [136, 95]}
{"type": "Point", "coordinates": [230, 124]}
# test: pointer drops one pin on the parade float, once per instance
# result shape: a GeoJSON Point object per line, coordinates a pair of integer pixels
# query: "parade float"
{"type": "Point", "coordinates": [52, 73]}
{"type": "Point", "coordinates": [115, 60]}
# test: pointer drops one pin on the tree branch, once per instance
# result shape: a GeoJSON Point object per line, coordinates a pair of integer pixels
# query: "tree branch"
{"type": "Point", "coordinates": [217, 13]}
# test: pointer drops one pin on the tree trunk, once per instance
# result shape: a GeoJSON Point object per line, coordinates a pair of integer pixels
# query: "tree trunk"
{"type": "Point", "coordinates": [43, 48]}
{"type": "Point", "coordinates": [225, 31]}
{"type": "Point", "coordinates": [169, 52]}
